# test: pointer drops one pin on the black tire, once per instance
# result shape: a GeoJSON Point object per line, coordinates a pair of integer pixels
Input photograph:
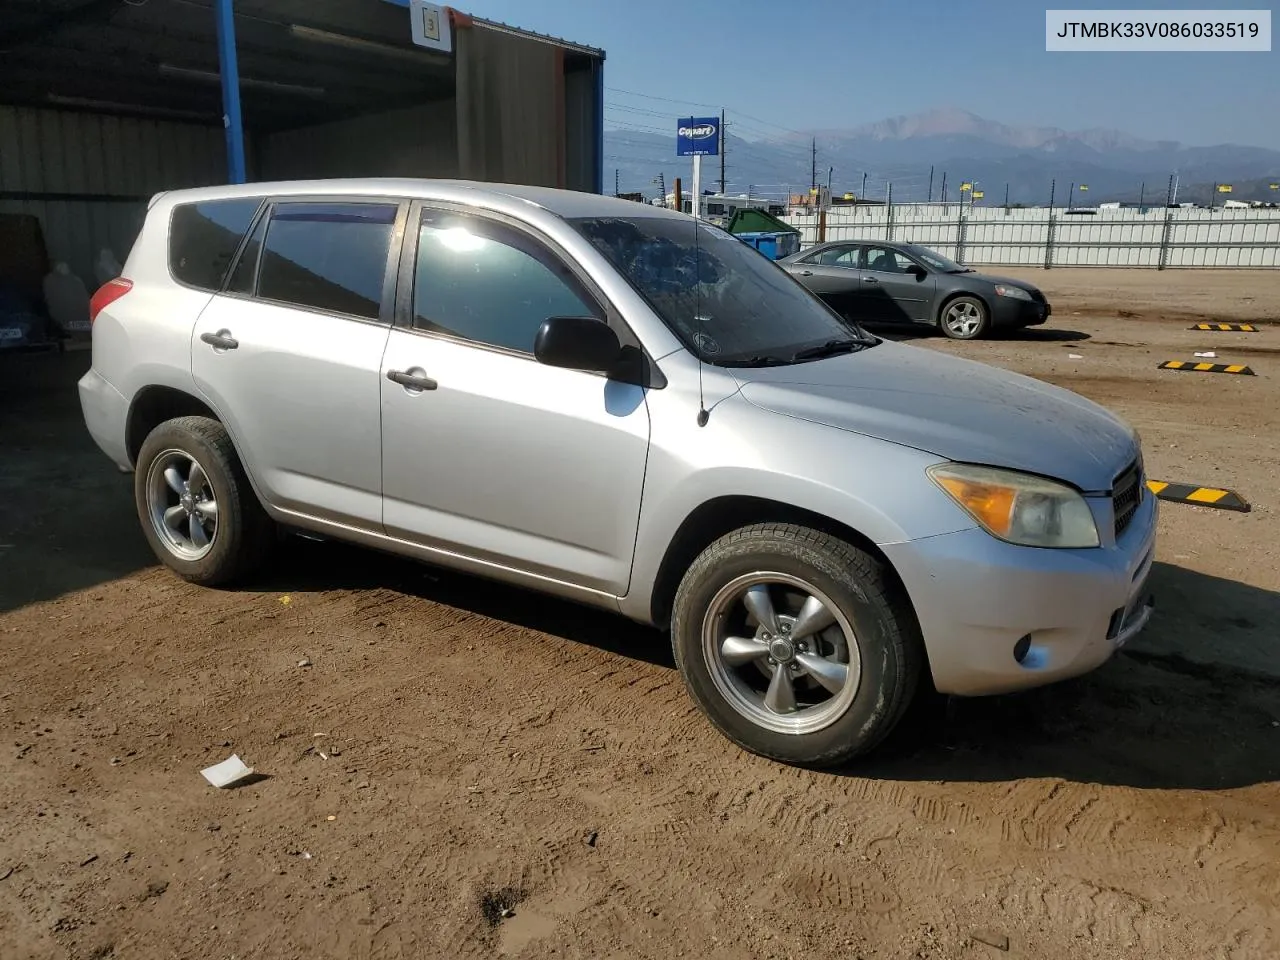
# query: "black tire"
{"type": "Point", "coordinates": [972, 306]}
{"type": "Point", "coordinates": [866, 594]}
{"type": "Point", "coordinates": [243, 534]}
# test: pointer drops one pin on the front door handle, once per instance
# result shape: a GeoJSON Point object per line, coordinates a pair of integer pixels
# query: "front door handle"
{"type": "Point", "coordinates": [411, 381]}
{"type": "Point", "coordinates": [806, 273]}
{"type": "Point", "coordinates": [222, 340]}
{"type": "Point", "coordinates": [870, 280]}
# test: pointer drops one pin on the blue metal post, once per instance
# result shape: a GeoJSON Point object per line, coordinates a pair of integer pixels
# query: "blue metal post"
{"type": "Point", "coordinates": [599, 121]}
{"type": "Point", "coordinates": [230, 71]}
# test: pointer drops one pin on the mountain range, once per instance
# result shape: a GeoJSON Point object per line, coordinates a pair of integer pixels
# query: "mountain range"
{"type": "Point", "coordinates": [964, 147]}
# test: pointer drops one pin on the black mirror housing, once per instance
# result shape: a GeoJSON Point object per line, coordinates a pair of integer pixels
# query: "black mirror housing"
{"type": "Point", "coordinates": [919, 271]}
{"type": "Point", "coordinates": [577, 343]}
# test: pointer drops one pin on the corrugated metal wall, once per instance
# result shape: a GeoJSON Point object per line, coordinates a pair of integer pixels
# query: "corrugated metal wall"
{"type": "Point", "coordinates": [1227, 238]}
{"type": "Point", "coordinates": [108, 165]}
{"type": "Point", "coordinates": [582, 125]}
{"type": "Point", "coordinates": [510, 94]}
{"type": "Point", "coordinates": [419, 141]}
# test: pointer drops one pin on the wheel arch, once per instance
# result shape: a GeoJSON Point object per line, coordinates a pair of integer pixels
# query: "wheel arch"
{"type": "Point", "coordinates": [954, 295]}
{"type": "Point", "coordinates": [156, 403]}
{"type": "Point", "coordinates": [152, 406]}
{"type": "Point", "coordinates": [714, 518]}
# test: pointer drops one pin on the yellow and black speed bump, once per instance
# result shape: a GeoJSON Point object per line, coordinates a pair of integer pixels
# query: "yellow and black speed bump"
{"type": "Point", "coordinates": [1207, 367]}
{"type": "Point", "coordinates": [1199, 496]}
{"type": "Point", "coordinates": [1235, 327]}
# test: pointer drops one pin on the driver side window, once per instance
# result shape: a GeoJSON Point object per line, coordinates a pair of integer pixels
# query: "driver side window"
{"type": "Point", "coordinates": [488, 283]}
{"type": "Point", "coordinates": [885, 260]}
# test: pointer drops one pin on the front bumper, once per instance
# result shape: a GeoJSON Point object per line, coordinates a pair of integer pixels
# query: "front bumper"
{"type": "Point", "coordinates": [976, 597]}
{"type": "Point", "coordinates": [106, 414]}
{"type": "Point", "coordinates": [1008, 312]}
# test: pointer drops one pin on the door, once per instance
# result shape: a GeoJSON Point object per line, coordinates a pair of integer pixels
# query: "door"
{"type": "Point", "coordinates": [290, 354]}
{"type": "Point", "coordinates": [486, 452]}
{"type": "Point", "coordinates": [895, 287]}
{"type": "Point", "coordinates": [832, 273]}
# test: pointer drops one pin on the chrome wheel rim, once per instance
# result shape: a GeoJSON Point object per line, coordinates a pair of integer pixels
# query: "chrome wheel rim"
{"type": "Point", "coordinates": [181, 504]}
{"type": "Point", "coordinates": [963, 319]}
{"type": "Point", "coordinates": [781, 652]}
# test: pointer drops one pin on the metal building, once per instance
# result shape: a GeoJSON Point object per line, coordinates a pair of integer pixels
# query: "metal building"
{"type": "Point", "coordinates": [104, 103]}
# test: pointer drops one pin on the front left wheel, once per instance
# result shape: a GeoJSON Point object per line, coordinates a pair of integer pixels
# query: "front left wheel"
{"type": "Point", "coordinates": [799, 646]}
{"type": "Point", "coordinates": [965, 318]}
{"type": "Point", "coordinates": [197, 508]}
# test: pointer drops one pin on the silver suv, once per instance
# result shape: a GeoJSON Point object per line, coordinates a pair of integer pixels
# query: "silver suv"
{"type": "Point", "coordinates": [622, 406]}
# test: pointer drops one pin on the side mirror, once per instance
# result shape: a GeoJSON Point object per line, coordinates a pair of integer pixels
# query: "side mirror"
{"type": "Point", "coordinates": [917, 271]}
{"type": "Point", "coordinates": [578, 343]}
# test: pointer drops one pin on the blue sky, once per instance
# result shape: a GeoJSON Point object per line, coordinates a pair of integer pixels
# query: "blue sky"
{"type": "Point", "coordinates": [840, 63]}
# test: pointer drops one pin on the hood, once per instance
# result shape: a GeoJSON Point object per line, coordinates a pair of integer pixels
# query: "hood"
{"type": "Point", "coordinates": [958, 409]}
{"type": "Point", "coordinates": [1004, 281]}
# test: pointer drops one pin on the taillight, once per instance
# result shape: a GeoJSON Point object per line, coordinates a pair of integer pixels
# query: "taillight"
{"type": "Point", "coordinates": [107, 294]}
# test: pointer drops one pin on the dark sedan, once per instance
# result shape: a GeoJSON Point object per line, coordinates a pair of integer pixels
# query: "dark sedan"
{"type": "Point", "coordinates": [879, 282]}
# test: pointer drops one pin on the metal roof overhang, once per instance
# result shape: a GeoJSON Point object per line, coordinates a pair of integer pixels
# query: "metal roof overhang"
{"type": "Point", "coordinates": [301, 62]}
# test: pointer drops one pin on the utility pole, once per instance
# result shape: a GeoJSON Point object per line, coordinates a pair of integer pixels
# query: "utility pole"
{"type": "Point", "coordinates": [722, 144]}
{"type": "Point", "coordinates": [1006, 196]}
{"type": "Point", "coordinates": [1053, 187]}
{"type": "Point", "coordinates": [944, 186]}
{"type": "Point", "coordinates": [1142, 195]}
{"type": "Point", "coordinates": [830, 171]}
{"type": "Point", "coordinates": [616, 189]}
{"type": "Point", "coordinates": [931, 183]}
{"type": "Point", "coordinates": [863, 194]}
{"type": "Point", "coordinates": [1168, 197]}
{"type": "Point", "coordinates": [813, 179]}
{"type": "Point", "coordinates": [1175, 187]}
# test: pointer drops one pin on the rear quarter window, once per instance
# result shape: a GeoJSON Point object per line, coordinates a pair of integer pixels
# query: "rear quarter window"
{"type": "Point", "coordinates": [203, 238]}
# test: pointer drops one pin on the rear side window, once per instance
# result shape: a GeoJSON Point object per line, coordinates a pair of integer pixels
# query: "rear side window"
{"type": "Point", "coordinates": [330, 256]}
{"type": "Point", "coordinates": [203, 237]}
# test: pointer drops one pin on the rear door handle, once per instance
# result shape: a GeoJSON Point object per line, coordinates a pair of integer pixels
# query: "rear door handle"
{"type": "Point", "coordinates": [806, 273]}
{"type": "Point", "coordinates": [222, 340]}
{"type": "Point", "coordinates": [411, 381]}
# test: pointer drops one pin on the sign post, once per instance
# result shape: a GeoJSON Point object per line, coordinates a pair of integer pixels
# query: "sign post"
{"type": "Point", "coordinates": [697, 137]}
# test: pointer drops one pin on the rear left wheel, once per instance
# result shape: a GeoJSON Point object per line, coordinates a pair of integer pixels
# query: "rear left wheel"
{"type": "Point", "coordinates": [198, 511]}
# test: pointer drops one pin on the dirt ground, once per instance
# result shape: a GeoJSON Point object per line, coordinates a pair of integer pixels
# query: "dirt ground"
{"type": "Point", "coordinates": [465, 770]}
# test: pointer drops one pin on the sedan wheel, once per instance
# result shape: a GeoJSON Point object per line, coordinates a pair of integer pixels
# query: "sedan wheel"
{"type": "Point", "coordinates": [964, 318]}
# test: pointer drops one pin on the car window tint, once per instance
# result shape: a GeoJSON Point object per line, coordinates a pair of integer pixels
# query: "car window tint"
{"type": "Point", "coordinates": [331, 256]}
{"type": "Point", "coordinates": [245, 271]}
{"type": "Point", "coordinates": [489, 283]}
{"type": "Point", "coordinates": [203, 237]}
{"type": "Point", "coordinates": [839, 257]}
{"type": "Point", "coordinates": [885, 260]}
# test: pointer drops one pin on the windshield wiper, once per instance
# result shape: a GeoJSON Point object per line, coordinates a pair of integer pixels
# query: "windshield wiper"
{"type": "Point", "coordinates": [758, 361]}
{"type": "Point", "coordinates": [831, 348]}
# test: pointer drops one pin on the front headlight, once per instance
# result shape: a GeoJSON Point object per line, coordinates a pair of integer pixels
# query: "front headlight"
{"type": "Point", "coordinates": [1017, 507]}
{"type": "Point", "coordinates": [1013, 293]}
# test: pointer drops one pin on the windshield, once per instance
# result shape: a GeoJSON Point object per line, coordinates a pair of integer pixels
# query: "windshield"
{"type": "Point", "coordinates": [935, 260]}
{"type": "Point", "coordinates": [728, 303]}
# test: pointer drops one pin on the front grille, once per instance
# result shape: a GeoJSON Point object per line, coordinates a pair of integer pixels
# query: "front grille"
{"type": "Point", "coordinates": [1126, 495]}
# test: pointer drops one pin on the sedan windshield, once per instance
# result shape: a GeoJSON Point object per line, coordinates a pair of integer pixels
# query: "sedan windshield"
{"type": "Point", "coordinates": [935, 260]}
{"type": "Point", "coordinates": [729, 304]}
